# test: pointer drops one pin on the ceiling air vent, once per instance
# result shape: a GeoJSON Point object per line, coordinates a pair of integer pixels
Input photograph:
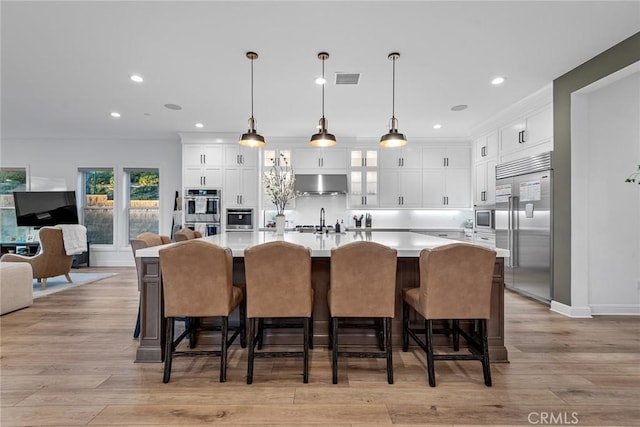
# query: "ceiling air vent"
{"type": "Point", "coordinates": [347, 78]}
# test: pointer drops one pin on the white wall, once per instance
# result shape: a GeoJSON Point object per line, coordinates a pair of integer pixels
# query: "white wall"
{"type": "Point", "coordinates": [54, 164]}
{"type": "Point", "coordinates": [605, 210]}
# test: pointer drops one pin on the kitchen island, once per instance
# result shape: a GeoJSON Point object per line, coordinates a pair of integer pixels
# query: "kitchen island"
{"type": "Point", "coordinates": [408, 245]}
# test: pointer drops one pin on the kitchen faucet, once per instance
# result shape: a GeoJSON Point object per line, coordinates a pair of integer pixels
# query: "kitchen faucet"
{"type": "Point", "coordinates": [322, 222]}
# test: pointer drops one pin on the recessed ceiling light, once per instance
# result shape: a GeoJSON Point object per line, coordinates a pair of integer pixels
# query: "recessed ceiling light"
{"type": "Point", "coordinates": [136, 78]}
{"type": "Point", "coordinates": [459, 107]}
{"type": "Point", "coordinates": [320, 81]}
{"type": "Point", "coordinates": [115, 114]}
{"type": "Point", "coordinates": [219, 140]}
{"type": "Point", "coordinates": [437, 126]}
{"type": "Point", "coordinates": [199, 125]}
{"type": "Point", "coordinates": [497, 81]}
{"type": "Point", "coordinates": [173, 106]}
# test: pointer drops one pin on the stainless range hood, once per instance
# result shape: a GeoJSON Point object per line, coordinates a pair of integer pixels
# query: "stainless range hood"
{"type": "Point", "coordinates": [321, 184]}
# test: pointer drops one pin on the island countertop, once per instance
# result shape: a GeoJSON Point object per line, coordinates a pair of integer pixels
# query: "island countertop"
{"type": "Point", "coordinates": [408, 244]}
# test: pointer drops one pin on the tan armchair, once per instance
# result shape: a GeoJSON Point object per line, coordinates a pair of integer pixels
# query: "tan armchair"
{"type": "Point", "coordinates": [144, 240]}
{"type": "Point", "coordinates": [186, 234]}
{"type": "Point", "coordinates": [52, 260]}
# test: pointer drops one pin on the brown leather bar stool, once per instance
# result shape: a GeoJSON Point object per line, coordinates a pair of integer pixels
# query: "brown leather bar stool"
{"type": "Point", "coordinates": [363, 285]}
{"type": "Point", "coordinates": [197, 283]}
{"type": "Point", "coordinates": [455, 284]}
{"type": "Point", "coordinates": [278, 278]}
{"type": "Point", "coordinates": [186, 234]}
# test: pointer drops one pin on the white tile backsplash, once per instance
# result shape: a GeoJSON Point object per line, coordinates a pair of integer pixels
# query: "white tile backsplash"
{"type": "Point", "coordinates": [307, 212]}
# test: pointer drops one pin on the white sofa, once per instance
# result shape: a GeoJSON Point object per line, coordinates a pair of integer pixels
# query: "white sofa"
{"type": "Point", "coordinates": [16, 286]}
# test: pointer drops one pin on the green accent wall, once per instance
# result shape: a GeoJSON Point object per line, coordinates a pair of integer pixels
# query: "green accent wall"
{"type": "Point", "coordinates": [608, 62]}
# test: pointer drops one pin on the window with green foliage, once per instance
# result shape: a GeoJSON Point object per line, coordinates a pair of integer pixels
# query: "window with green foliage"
{"type": "Point", "coordinates": [144, 201]}
{"type": "Point", "coordinates": [11, 179]}
{"type": "Point", "coordinates": [98, 205]}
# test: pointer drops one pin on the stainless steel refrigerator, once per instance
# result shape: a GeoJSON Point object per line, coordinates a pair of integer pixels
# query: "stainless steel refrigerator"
{"type": "Point", "coordinates": [523, 224]}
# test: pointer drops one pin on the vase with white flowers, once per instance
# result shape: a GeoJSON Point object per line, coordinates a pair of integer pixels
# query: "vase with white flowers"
{"type": "Point", "coordinates": [279, 185]}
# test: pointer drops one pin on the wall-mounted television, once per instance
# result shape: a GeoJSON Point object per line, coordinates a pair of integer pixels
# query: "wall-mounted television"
{"type": "Point", "coordinates": [41, 208]}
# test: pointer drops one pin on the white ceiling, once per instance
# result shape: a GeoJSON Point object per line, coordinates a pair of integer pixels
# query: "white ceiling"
{"type": "Point", "coordinates": [65, 65]}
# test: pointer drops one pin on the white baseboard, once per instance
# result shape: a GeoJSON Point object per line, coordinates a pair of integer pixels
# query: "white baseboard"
{"type": "Point", "coordinates": [616, 309]}
{"type": "Point", "coordinates": [569, 311]}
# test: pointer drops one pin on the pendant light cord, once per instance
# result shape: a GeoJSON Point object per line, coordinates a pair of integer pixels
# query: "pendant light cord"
{"type": "Point", "coordinates": [323, 83]}
{"type": "Point", "coordinates": [393, 89]}
{"type": "Point", "coordinates": [251, 87]}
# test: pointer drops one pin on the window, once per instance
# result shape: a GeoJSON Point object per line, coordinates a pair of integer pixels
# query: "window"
{"type": "Point", "coordinates": [98, 205]}
{"type": "Point", "coordinates": [11, 179]}
{"type": "Point", "coordinates": [144, 201]}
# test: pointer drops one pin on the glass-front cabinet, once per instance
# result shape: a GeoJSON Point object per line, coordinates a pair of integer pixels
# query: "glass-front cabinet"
{"type": "Point", "coordinates": [274, 157]}
{"type": "Point", "coordinates": [363, 178]}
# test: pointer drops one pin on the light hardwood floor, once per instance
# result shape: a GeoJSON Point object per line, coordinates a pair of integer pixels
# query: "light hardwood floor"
{"type": "Point", "coordinates": [68, 360]}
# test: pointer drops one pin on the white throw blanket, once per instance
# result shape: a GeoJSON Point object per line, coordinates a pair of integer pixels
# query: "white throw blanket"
{"type": "Point", "coordinates": [75, 238]}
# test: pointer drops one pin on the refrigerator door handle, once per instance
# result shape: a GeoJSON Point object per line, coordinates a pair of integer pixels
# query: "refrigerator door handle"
{"type": "Point", "coordinates": [513, 230]}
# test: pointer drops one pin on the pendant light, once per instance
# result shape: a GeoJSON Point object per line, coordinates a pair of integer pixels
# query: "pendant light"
{"type": "Point", "coordinates": [252, 138]}
{"type": "Point", "coordinates": [323, 138]}
{"type": "Point", "coordinates": [393, 138]}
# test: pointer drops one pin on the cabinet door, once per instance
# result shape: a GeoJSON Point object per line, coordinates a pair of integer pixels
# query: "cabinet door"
{"type": "Point", "coordinates": [457, 188]}
{"type": "Point", "coordinates": [433, 158]}
{"type": "Point", "coordinates": [492, 145]}
{"type": "Point", "coordinates": [212, 154]}
{"type": "Point", "coordinates": [334, 158]}
{"type": "Point", "coordinates": [510, 136]}
{"type": "Point", "coordinates": [249, 189]}
{"type": "Point", "coordinates": [202, 154]}
{"type": "Point", "coordinates": [232, 187]}
{"type": "Point", "coordinates": [237, 155]}
{"type": "Point", "coordinates": [193, 176]}
{"type": "Point", "coordinates": [539, 126]}
{"type": "Point", "coordinates": [410, 189]}
{"type": "Point", "coordinates": [458, 158]}
{"type": "Point", "coordinates": [276, 157]}
{"type": "Point", "coordinates": [212, 177]}
{"type": "Point", "coordinates": [408, 158]}
{"type": "Point", "coordinates": [192, 154]}
{"type": "Point", "coordinates": [307, 159]}
{"type": "Point", "coordinates": [389, 188]}
{"type": "Point", "coordinates": [433, 188]}
{"type": "Point", "coordinates": [480, 193]}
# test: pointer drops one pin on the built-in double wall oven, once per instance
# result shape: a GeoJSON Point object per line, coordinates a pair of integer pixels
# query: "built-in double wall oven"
{"type": "Point", "coordinates": [202, 210]}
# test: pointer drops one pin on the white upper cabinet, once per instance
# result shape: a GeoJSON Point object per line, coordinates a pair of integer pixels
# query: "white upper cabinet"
{"type": "Point", "coordinates": [276, 157]}
{"type": "Point", "coordinates": [320, 159]}
{"type": "Point", "coordinates": [486, 147]}
{"type": "Point", "coordinates": [401, 157]}
{"type": "Point", "coordinates": [532, 129]}
{"type": "Point", "coordinates": [485, 190]}
{"type": "Point", "coordinates": [446, 177]}
{"type": "Point", "coordinates": [453, 157]}
{"type": "Point", "coordinates": [202, 165]}
{"type": "Point", "coordinates": [202, 154]}
{"type": "Point", "coordinates": [363, 178]}
{"type": "Point", "coordinates": [240, 187]}
{"type": "Point", "coordinates": [238, 155]}
{"type": "Point", "coordinates": [400, 188]}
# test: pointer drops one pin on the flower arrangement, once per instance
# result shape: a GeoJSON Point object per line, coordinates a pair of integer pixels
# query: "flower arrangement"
{"type": "Point", "coordinates": [635, 176]}
{"type": "Point", "coordinates": [279, 184]}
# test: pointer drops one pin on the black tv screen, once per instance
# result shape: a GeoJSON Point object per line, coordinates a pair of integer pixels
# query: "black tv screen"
{"type": "Point", "coordinates": [41, 208]}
